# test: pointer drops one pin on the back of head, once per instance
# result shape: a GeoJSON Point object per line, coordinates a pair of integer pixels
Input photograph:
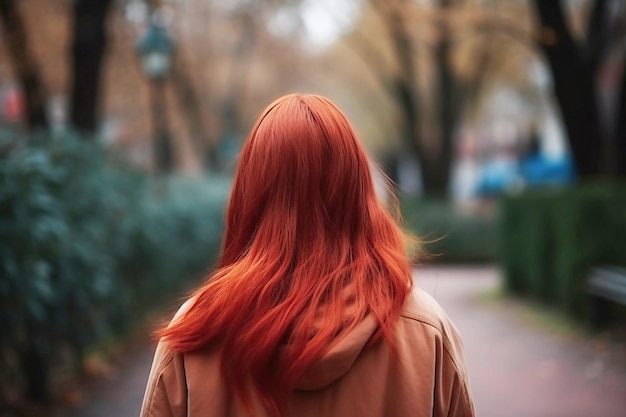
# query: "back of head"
{"type": "Point", "coordinates": [304, 228]}
{"type": "Point", "coordinates": [303, 179]}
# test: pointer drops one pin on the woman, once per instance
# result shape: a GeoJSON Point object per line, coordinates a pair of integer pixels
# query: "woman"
{"type": "Point", "coordinates": [311, 310]}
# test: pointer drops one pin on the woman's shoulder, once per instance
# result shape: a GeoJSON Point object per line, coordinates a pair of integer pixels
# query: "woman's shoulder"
{"type": "Point", "coordinates": [423, 313]}
{"type": "Point", "coordinates": [422, 307]}
{"type": "Point", "coordinates": [183, 309]}
{"type": "Point", "coordinates": [425, 332]}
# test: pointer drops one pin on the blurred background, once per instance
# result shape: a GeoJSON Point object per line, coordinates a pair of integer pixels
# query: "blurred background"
{"type": "Point", "coordinates": [501, 122]}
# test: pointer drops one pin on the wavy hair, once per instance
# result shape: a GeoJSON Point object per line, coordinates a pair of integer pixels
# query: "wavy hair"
{"type": "Point", "coordinates": [308, 252]}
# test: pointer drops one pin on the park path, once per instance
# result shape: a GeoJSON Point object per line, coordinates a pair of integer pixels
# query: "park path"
{"type": "Point", "coordinates": [517, 367]}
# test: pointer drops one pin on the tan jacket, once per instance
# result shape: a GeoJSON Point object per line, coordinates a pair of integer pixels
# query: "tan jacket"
{"type": "Point", "coordinates": [428, 378]}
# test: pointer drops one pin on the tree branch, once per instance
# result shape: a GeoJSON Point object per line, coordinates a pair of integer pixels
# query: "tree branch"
{"type": "Point", "coordinates": [496, 25]}
{"type": "Point", "coordinates": [362, 47]}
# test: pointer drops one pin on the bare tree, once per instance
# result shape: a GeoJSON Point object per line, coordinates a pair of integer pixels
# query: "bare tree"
{"type": "Point", "coordinates": [451, 92]}
{"type": "Point", "coordinates": [402, 84]}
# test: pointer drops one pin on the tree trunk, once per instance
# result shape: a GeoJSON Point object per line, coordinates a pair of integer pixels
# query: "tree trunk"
{"type": "Point", "coordinates": [573, 79]}
{"type": "Point", "coordinates": [237, 84]}
{"type": "Point", "coordinates": [87, 52]}
{"type": "Point", "coordinates": [620, 133]}
{"type": "Point", "coordinates": [405, 92]}
{"type": "Point", "coordinates": [163, 152]}
{"type": "Point", "coordinates": [436, 168]}
{"type": "Point", "coordinates": [190, 104]}
{"type": "Point", "coordinates": [407, 102]}
{"type": "Point", "coordinates": [23, 64]}
{"type": "Point", "coordinates": [435, 164]}
{"type": "Point", "coordinates": [447, 107]}
{"type": "Point", "coordinates": [37, 374]}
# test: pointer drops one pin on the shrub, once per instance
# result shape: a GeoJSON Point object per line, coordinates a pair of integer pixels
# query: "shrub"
{"type": "Point", "coordinates": [590, 231]}
{"type": "Point", "coordinates": [526, 244]}
{"type": "Point", "coordinates": [88, 248]}
{"type": "Point", "coordinates": [448, 234]}
{"type": "Point", "coordinates": [551, 240]}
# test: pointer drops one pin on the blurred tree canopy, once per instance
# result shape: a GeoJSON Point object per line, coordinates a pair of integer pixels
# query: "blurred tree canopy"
{"type": "Point", "coordinates": [414, 79]}
{"type": "Point", "coordinates": [414, 56]}
{"type": "Point", "coordinates": [83, 53]}
{"type": "Point", "coordinates": [437, 60]}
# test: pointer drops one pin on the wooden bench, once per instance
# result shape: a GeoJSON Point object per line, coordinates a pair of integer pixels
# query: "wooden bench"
{"type": "Point", "coordinates": [605, 285]}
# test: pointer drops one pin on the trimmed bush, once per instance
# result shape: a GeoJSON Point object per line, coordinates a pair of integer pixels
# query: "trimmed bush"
{"type": "Point", "coordinates": [591, 228]}
{"type": "Point", "coordinates": [88, 248]}
{"type": "Point", "coordinates": [448, 234]}
{"type": "Point", "coordinates": [551, 240]}
{"type": "Point", "coordinates": [527, 244]}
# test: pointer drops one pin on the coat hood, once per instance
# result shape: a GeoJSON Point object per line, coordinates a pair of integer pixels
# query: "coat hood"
{"type": "Point", "coordinates": [340, 358]}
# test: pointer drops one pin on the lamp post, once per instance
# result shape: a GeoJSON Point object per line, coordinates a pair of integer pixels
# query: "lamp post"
{"type": "Point", "coordinates": [155, 49]}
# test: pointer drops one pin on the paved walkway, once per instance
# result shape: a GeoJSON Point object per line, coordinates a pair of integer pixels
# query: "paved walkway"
{"type": "Point", "coordinates": [517, 367]}
{"type": "Point", "coordinates": [121, 394]}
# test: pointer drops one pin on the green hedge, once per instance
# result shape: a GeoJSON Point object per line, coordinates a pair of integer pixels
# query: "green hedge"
{"type": "Point", "coordinates": [88, 247]}
{"type": "Point", "coordinates": [526, 243]}
{"type": "Point", "coordinates": [448, 234]}
{"type": "Point", "coordinates": [551, 239]}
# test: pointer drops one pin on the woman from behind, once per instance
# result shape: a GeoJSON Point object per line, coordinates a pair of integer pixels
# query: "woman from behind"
{"type": "Point", "coordinates": [311, 310]}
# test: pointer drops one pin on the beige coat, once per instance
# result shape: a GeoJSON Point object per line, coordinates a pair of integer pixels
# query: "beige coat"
{"type": "Point", "coordinates": [428, 378]}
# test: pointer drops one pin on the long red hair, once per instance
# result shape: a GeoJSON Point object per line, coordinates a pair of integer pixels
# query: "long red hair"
{"type": "Point", "coordinates": [304, 227]}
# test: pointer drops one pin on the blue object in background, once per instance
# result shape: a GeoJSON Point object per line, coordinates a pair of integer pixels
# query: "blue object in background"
{"type": "Point", "coordinates": [496, 176]}
{"type": "Point", "coordinates": [537, 170]}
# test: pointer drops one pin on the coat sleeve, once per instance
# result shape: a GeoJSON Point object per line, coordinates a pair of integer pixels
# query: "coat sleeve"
{"type": "Point", "coordinates": [460, 403]}
{"type": "Point", "coordinates": [453, 398]}
{"type": "Point", "coordinates": [166, 390]}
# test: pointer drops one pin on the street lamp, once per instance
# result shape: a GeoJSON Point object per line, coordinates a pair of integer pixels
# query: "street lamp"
{"type": "Point", "coordinates": [156, 49]}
